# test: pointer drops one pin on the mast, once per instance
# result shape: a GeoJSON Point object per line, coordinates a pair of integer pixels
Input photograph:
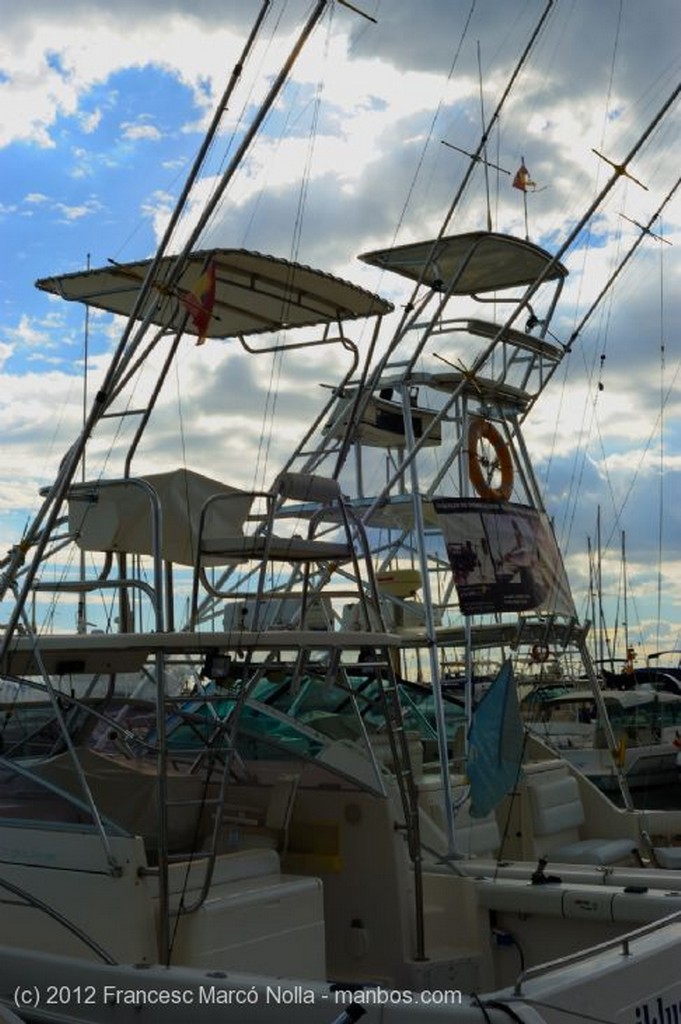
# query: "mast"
{"type": "Point", "coordinates": [625, 624]}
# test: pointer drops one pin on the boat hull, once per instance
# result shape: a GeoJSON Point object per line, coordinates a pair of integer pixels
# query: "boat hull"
{"type": "Point", "coordinates": [611, 982]}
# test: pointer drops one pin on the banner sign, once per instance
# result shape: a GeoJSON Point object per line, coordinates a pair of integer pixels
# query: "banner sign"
{"type": "Point", "coordinates": [504, 557]}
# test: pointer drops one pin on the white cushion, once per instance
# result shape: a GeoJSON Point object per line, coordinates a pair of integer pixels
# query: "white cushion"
{"type": "Point", "coordinates": [593, 851]}
{"type": "Point", "coordinates": [668, 857]}
{"type": "Point", "coordinates": [556, 806]}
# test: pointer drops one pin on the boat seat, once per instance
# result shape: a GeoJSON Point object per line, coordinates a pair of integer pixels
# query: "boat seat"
{"type": "Point", "coordinates": [310, 556]}
{"type": "Point", "coordinates": [528, 342]}
{"type": "Point", "coordinates": [557, 814]}
{"type": "Point", "coordinates": [266, 543]}
{"type": "Point", "coordinates": [668, 857]}
{"type": "Point", "coordinates": [279, 549]}
{"type": "Point", "coordinates": [476, 837]}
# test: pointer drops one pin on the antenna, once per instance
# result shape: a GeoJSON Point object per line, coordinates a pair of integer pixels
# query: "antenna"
{"type": "Point", "coordinates": [619, 169]}
{"type": "Point", "coordinates": [484, 150]}
{"type": "Point", "coordinates": [476, 157]}
{"type": "Point", "coordinates": [646, 230]}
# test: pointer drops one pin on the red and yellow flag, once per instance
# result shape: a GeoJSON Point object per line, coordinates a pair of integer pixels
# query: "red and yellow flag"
{"type": "Point", "coordinates": [522, 178]}
{"type": "Point", "coordinates": [200, 300]}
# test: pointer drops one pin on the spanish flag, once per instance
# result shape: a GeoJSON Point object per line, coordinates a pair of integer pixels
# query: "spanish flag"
{"type": "Point", "coordinates": [200, 301]}
{"type": "Point", "coordinates": [522, 178]}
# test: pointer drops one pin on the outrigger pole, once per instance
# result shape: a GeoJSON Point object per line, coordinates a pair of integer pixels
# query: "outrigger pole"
{"type": "Point", "coordinates": [645, 230]}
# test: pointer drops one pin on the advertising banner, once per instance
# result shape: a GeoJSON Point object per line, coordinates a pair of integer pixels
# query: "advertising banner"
{"type": "Point", "coordinates": [504, 557]}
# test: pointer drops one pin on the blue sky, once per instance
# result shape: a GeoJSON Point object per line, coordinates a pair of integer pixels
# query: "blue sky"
{"type": "Point", "coordinates": [101, 111]}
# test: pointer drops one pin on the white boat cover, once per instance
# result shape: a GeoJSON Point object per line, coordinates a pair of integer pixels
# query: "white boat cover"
{"type": "Point", "coordinates": [253, 293]}
{"type": "Point", "coordinates": [116, 515]}
{"type": "Point", "coordinates": [486, 262]}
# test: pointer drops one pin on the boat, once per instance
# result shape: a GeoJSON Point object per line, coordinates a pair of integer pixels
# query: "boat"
{"type": "Point", "coordinates": [273, 819]}
{"type": "Point", "coordinates": [661, 678]}
{"type": "Point", "coordinates": [647, 729]}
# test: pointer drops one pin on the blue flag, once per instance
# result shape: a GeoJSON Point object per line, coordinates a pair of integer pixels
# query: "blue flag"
{"type": "Point", "coordinates": [495, 744]}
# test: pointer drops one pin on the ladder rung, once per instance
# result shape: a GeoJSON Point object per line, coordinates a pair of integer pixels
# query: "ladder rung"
{"type": "Point", "coordinates": [194, 803]}
{"type": "Point", "coordinates": [195, 857]}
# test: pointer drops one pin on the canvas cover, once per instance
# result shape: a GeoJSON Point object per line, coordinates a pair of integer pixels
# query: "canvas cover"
{"type": "Point", "coordinates": [117, 515]}
{"type": "Point", "coordinates": [496, 742]}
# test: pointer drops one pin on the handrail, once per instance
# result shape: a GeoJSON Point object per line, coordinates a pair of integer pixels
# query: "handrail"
{"type": "Point", "coordinates": [584, 954]}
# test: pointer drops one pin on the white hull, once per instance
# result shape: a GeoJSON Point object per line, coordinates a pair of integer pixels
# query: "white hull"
{"type": "Point", "coordinates": [602, 984]}
{"type": "Point", "coordinates": [275, 928]}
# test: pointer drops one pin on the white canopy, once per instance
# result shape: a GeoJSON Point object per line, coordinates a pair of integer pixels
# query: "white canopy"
{"type": "Point", "coordinates": [485, 260]}
{"type": "Point", "coordinates": [253, 293]}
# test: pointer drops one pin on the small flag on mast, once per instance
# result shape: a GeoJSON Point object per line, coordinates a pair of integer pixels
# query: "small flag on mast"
{"type": "Point", "coordinates": [200, 300]}
{"type": "Point", "coordinates": [522, 179]}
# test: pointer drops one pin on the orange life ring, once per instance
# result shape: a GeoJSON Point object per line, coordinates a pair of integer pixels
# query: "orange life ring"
{"type": "Point", "coordinates": [483, 429]}
{"type": "Point", "coordinates": [540, 653]}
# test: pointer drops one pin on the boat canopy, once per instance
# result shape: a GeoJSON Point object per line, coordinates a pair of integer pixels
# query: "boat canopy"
{"type": "Point", "coordinates": [253, 293]}
{"type": "Point", "coordinates": [478, 261]}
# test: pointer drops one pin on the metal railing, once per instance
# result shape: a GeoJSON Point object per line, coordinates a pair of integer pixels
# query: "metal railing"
{"type": "Point", "coordinates": [624, 941]}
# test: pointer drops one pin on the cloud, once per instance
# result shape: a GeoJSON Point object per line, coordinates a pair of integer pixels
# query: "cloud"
{"type": "Point", "coordinates": [71, 213]}
{"type": "Point", "coordinates": [5, 352]}
{"type": "Point", "coordinates": [140, 129]}
{"type": "Point", "coordinates": [90, 122]}
{"type": "Point", "coordinates": [29, 335]}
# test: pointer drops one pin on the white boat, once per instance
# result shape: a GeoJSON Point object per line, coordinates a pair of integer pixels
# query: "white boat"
{"type": "Point", "coordinates": [271, 841]}
{"type": "Point", "coordinates": [646, 726]}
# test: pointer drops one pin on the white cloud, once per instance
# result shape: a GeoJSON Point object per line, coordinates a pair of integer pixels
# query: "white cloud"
{"type": "Point", "coordinates": [90, 122]}
{"type": "Point", "coordinates": [5, 352]}
{"type": "Point", "coordinates": [29, 335]}
{"type": "Point", "coordinates": [71, 213]}
{"type": "Point", "coordinates": [140, 130]}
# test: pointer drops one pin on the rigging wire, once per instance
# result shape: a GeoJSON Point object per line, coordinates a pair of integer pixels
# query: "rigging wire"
{"type": "Point", "coordinates": [277, 363]}
{"type": "Point", "coordinates": [574, 489]}
{"type": "Point", "coordinates": [660, 529]}
{"type": "Point", "coordinates": [429, 135]}
{"type": "Point", "coordinates": [645, 230]}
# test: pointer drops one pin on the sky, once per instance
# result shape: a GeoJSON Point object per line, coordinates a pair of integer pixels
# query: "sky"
{"type": "Point", "coordinates": [103, 107]}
